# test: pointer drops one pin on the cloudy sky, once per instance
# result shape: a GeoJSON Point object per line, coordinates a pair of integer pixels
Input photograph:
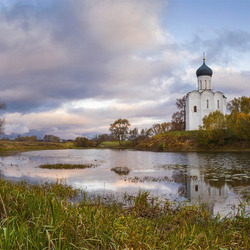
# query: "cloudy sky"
{"type": "Point", "coordinates": [72, 67]}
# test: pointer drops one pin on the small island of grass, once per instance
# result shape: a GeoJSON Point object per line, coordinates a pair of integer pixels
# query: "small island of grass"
{"type": "Point", "coordinates": [66, 166]}
{"type": "Point", "coordinates": [121, 170]}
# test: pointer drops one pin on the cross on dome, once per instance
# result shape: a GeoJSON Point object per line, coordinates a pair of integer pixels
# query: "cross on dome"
{"type": "Point", "coordinates": [204, 70]}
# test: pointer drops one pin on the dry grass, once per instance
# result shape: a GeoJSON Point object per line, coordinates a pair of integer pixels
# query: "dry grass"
{"type": "Point", "coordinates": [41, 217]}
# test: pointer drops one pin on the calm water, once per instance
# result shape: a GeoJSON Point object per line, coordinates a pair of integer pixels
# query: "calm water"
{"type": "Point", "coordinates": [219, 179]}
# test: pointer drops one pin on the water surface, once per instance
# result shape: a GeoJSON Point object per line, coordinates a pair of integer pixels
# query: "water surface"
{"type": "Point", "coordinates": [221, 180]}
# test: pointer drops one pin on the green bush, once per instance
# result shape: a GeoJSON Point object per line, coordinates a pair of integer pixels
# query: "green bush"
{"type": "Point", "coordinates": [82, 142]}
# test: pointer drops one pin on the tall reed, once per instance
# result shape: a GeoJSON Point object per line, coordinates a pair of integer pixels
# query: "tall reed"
{"type": "Point", "coordinates": [42, 217]}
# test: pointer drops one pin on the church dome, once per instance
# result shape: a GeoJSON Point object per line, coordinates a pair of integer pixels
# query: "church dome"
{"type": "Point", "coordinates": [204, 70]}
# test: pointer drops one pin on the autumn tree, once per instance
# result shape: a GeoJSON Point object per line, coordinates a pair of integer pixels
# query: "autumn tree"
{"type": "Point", "coordinates": [239, 119]}
{"type": "Point", "coordinates": [120, 130]}
{"type": "Point", "coordinates": [98, 139]}
{"type": "Point", "coordinates": [2, 121]}
{"type": "Point", "coordinates": [51, 138]}
{"type": "Point", "coordinates": [133, 135]}
{"type": "Point", "coordinates": [214, 129]}
{"type": "Point", "coordinates": [239, 105]}
{"type": "Point", "coordinates": [146, 132]}
{"type": "Point", "coordinates": [1, 126]}
{"type": "Point", "coordinates": [214, 121]}
{"type": "Point", "coordinates": [160, 128]}
{"type": "Point", "coordinates": [82, 142]}
{"type": "Point", "coordinates": [165, 126]}
{"type": "Point", "coordinates": [179, 118]}
{"type": "Point", "coordinates": [26, 138]}
{"type": "Point", "coordinates": [156, 128]}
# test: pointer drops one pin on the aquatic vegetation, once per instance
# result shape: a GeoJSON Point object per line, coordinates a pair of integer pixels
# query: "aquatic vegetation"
{"type": "Point", "coordinates": [121, 170]}
{"type": "Point", "coordinates": [66, 166]}
{"type": "Point", "coordinates": [218, 176]}
{"type": "Point", "coordinates": [42, 217]}
{"type": "Point", "coordinates": [177, 179]}
{"type": "Point", "coordinates": [137, 179]}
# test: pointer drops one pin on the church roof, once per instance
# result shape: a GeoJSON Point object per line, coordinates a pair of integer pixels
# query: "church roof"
{"type": "Point", "coordinates": [204, 70]}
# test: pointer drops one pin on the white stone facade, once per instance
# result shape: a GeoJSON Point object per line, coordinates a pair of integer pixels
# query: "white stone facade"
{"type": "Point", "coordinates": [203, 101]}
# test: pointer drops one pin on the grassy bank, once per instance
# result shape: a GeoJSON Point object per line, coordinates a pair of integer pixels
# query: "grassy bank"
{"type": "Point", "coordinates": [11, 147]}
{"type": "Point", "coordinates": [171, 141]}
{"type": "Point", "coordinates": [186, 141]}
{"type": "Point", "coordinates": [115, 145]}
{"type": "Point", "coordinates": [39, 217]}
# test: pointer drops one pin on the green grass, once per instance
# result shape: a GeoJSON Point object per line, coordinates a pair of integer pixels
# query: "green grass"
{"type": "Point", "coordinates": [191, 133]}
{"type": "Point", "coordinates": [41, 217]}
{"type": "Point", "coordinates": [115, 145]}
{"type": "Point", "coordinates": [110, 143]}
{"type": "Point", "coordinates": [11, 147]}
{"type": "Point", "coordinates": [66, 166]}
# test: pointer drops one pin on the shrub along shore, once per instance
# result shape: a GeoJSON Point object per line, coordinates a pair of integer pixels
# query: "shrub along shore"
{"type": "Point", "coordinates": [42, 216]}
{"type": "Point", "coordinates": [190, 141]}
{"type": "Point", "coordinates": [175, 141]}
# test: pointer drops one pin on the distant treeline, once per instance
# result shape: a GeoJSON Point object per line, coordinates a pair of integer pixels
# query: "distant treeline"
{"type": "Point", "coordinates": [46, 138]}
{"type": "Point", "coordinates": [218, 129]}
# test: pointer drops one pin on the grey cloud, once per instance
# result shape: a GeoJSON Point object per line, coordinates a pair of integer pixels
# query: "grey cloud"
{"type": "Point", "coordinates": [222, 47]}
{"type": "Point", "coordinates": [66, 53]}
{"type": "Point", "coordinates": [55, 52]}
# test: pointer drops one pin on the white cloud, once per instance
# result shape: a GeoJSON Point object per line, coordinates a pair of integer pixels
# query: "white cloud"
{"type": "Point", "coordinates": [28, 49]}
{"type": "Point", "coordinates": [233, 83]}
{"type": "Point", "coordinates": [73, 67]}
{"type": "Point", "coordinates": [124, 26]}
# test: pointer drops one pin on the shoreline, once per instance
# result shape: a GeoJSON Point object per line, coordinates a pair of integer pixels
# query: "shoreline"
{"type": "Point", "coordinates": [13, 148]}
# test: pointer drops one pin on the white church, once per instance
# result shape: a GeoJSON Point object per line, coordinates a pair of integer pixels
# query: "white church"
{"type": "Point", "coordinates": [203, 101]}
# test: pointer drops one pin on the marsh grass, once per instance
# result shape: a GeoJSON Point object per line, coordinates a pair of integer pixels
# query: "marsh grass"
{"type": "Point", "coordinates": [66, 166]}
{"type": "Point", "coordinates": [41, 217]}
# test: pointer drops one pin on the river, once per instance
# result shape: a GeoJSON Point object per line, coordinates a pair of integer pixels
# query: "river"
{"type": "Point", "coordinates": [220, 180]}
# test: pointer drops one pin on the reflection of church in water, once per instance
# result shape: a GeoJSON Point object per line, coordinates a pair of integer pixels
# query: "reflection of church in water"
{"type": "Point", "coordinates": [196, 187]}
{"type": "Point", "coordinates": [200, 103]}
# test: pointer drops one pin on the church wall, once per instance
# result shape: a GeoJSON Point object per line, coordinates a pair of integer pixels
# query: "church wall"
{"type": "Point", "coordinates": [187, 113]}
{"type": "Point", "coordinates": [192, 113]}
{"type": "Point", "coordinates": [207, 103]}
{"type": "Point", "coordinates": [220, 102]}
